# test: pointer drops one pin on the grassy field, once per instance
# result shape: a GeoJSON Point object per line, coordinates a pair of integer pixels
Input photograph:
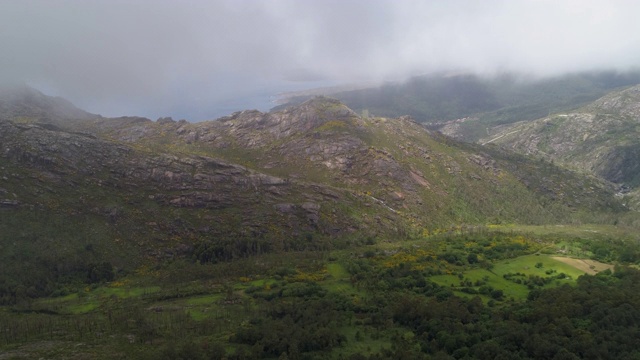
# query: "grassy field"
{"type": "Point", "coordinates": [88, 299]}
{"type": "Point", "coordinates": [338, 280]}
{"type": "Point", "coordinates": [538, 265]}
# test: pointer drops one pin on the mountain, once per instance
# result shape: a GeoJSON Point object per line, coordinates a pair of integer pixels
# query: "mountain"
{"type": "Point", "coordinates": [23, 103]}
{"type": "Point", "coordinates": [601, 138]}
{"type": "Point", "coordinates": [396, 161]}
{"type": "Point", "coordinates": [464, 106]}
{"type": "Point", "coordinates": [80, 193]}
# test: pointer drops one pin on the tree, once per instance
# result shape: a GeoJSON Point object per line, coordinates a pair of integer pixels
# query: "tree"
{"type": "Point", "coordinates": [100, 272]}
{"type": "Point", "coordinates": [497, 294]}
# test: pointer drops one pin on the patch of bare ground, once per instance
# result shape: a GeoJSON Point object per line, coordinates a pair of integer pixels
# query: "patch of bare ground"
{"type": "Point", "coordinates": [590, 267]}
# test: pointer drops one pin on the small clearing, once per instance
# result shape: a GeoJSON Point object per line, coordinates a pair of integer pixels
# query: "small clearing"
{"type": "Point", "coordinates": [590, 267]}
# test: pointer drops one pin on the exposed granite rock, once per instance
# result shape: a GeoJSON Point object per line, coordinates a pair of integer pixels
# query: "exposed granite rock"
{"type": "Point", "coordinates": [9, 203]}
{"type": "Point", "coordinates": [166, 120]}
{"type": "Point", "coordinates": [285, 208]}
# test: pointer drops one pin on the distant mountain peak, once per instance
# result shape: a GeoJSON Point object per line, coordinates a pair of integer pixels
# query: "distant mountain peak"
{"type": "Point", "coordinates": [295, 119]}
{"type": "Point", "coordinates": [25, 102]}
{"type": "Point", "coordinates": [320, 109]}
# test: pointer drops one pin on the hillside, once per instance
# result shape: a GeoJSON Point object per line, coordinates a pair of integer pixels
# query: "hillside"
{"type": "Point", "coordinates": [464, 106]}
{"type": "Point", "coordinates": [600, 138]}
{"type": "Point", "coordinates": [395, 163]}
{"type": "Point", "coordinates": [21, 102]}
{"type": "Point", "coordinates": [316, 175]}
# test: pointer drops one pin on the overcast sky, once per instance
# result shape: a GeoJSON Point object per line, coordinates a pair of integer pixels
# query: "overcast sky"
{"type": "Point", "coordinates": [203, 59]}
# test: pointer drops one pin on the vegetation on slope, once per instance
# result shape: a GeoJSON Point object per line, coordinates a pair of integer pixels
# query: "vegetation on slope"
{"type": "Point", "coordinates": [453, 293]}
{"type": "Point", "coordinates": [600, 138]}
{"type": "Point", "coordinates": [314, 177]}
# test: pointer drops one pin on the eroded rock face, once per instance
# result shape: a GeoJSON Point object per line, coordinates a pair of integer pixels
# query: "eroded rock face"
{"type": "Point", "coordinates": [60, 161]}
{"type": "Point", "coordinates": [57, 150]}
{"type": "Point", "coordinates": [336, 153]}
{"type": "Point", "coordinates": [485, 161]}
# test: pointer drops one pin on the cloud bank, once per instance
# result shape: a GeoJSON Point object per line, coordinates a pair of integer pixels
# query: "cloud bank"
{"type": "Point", "coordinates": [197, 58]}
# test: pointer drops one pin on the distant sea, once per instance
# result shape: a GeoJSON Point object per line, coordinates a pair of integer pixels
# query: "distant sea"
{"type": "Point", "coordinates": [261, 99]}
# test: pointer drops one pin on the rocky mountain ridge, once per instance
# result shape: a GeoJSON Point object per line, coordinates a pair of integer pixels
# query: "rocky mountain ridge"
{"type": "Point", "coordinates": [320, 141]}
{"type": "Point", "coordinates": [600, 138]}
{"type": "Point", "coordinates": [312, 176]}
{"type": "Point", "coordinates": [465, 106]}
{"type": "Point", "coordinates": [130, 190]}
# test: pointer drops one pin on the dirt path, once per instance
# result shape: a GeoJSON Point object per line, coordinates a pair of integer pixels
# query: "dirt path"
{"type": "Point", "coordinates": [590, 267]}
{"type": "Point", "coordinates": [501, 136]}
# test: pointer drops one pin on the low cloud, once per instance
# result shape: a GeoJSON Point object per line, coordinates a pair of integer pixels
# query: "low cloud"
{"type": "Point", "coordinates": [156, 58]}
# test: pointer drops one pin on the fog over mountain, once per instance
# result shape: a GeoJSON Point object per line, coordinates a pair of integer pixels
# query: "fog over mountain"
{"type": "Point", "coordinates": [202, 59]}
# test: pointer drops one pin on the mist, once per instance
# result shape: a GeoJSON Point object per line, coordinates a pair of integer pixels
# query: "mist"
{"type": "Point", "coordinates": [200, 59]}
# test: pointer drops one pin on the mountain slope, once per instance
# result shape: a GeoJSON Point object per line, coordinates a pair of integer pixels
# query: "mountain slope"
{"type": "Point", "coordinates": [25, 104]}
{"type": "Point", "coordinates": [601, 138]}
{"type": "Point", "coordinates": [397, 161]}
{"type": "Point", "coordinates": [97, 193]}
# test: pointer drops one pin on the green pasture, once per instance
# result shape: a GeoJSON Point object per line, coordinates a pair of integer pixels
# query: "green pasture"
{"type": "Point", "coordinates": [87, 300]}
{"type": "Point", "coordinates": [524, 264]}
{"type": "Point", "coordinates": [339, 282]}
{"type": "Point", "coordinates": [204, 299]}
{"type": "Point", "coordinates": [527, 265]}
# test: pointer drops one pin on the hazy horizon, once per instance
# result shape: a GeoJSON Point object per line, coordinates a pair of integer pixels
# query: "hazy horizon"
{"type": "Point", "coordinates": [200, 60]}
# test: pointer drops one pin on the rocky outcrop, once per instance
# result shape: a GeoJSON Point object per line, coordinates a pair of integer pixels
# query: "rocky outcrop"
{"type": "Point", "coordinates": [254, 129]}
{"type": "Point", "coordinates": [7, 203]}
